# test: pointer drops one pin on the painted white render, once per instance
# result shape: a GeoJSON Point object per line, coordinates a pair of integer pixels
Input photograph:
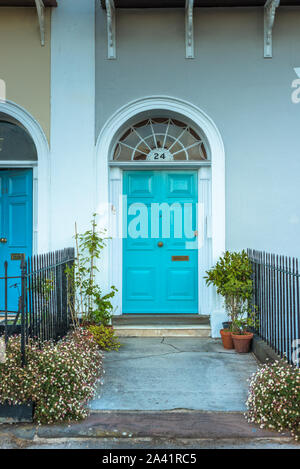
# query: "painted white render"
{"type": "Point", "coordinates": [247, 98]}
{"type": "Point", "coordinates": [72, 118]}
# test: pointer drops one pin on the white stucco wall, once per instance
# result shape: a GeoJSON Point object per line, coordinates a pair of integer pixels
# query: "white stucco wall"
{"type": "Point", "coordinates": [248, 97]}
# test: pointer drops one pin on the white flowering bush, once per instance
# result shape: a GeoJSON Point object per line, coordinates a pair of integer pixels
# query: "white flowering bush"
{"type": "Point", "coordinates": [59, 378]}
{"type": "Point", "coordinates": [274, 398]}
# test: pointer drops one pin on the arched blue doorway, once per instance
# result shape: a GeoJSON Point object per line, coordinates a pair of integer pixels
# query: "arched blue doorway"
{"type": "Point", "coordinates": [16, 207]}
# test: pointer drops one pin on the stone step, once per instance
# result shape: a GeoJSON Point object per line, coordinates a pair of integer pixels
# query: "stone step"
{"type": "Point", "coordinates": [163, 331]}
{"type": "Point", "coordinates": [162, 325]}
{"type": "Point", "coordinates": [160, 319]}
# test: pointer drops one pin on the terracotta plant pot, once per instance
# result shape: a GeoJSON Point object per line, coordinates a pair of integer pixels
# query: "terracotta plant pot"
{"type": "Point", "coordinates": [242, 342]}
{"type": "Point", "coordinates": [227, 339]}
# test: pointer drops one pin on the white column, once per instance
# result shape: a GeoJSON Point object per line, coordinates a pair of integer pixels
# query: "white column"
{"type": "Point", "coordinates": [116, 243]}
{"type": "Point", "coordinates": [205, 239]}
{"type": "Point", "coordinates": [72, 118]}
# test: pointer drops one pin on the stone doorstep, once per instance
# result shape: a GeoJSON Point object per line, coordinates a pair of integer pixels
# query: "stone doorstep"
{"type": "Point", "coordinates": [160, 320]}
{"type": "Point", "coordinates": [178, 424]}
{"type": "Point", "coordinates": [162, 325]}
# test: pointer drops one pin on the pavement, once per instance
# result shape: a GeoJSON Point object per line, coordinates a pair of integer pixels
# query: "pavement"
{"type": "Point", "coordinates": [174, 373]}
{"type": "Point", "coordinates": [146, 430]}
{"type": "Point", "coordinates": [170, 393]}
{"type": "Point", "coordinates": [153, 444]}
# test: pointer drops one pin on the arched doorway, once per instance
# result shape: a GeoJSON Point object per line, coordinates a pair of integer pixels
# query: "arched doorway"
{"type": "Point", "coordinates": [24, 177]}
{"type": "Point", "coordinates": [147, 136]}
{"type": "Point", "coordinates": [40, 165]}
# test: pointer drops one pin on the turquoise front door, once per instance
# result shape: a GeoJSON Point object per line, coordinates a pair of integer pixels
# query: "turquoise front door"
{"type": "Point", "coordinates": [15, 228]}
{"type": "Point", "coordinates": [160, 256]}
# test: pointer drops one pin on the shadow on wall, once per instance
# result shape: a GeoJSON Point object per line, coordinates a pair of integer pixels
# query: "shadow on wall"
{"type": "Point", "coordinates": [2, 90]}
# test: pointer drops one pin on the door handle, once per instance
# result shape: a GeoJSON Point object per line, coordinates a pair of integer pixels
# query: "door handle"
{"type": "Point", "coordinates": [3, 240]}
{"type": "Point", "coordinates": [160, 244]}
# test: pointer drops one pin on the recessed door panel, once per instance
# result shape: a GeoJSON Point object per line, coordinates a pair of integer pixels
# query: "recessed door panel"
{"type": "Point", "coordinates": [138, 225]}
{"type": "Point", "coordinates": [17, 235]}
{"type": "Point", "coordinates": [140, 283]}
{"type": "Point", "coordinates": [140, 185]}
{"type": "Point", "coordinates": [17, 185]}
{"type": "Point", "coordinates": [180, 283]}
{"type": "Point", "coordinates": [180, 185]}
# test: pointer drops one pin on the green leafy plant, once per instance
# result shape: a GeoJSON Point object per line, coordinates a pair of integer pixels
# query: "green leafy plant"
{"type": "Point", "coordinates": [44, 286]}
{"type": "Point", "coordinates": [244, 322]}
{"type": "Point", "coordinates": [105, 337]}
{"type": "Point", "coordinates": [274, 398]}
{"type": "Point", "coordinates": [232, 277]}
{"type": "Point", "coordinates": [59, 378]}
{"type": "Point", "coordinates": [87, 301]}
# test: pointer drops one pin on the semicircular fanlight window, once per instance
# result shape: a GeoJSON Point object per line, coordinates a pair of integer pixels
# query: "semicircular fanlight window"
{"type": "Point", "coordinates": [160, 139]}
{"type": "Point", "coordinates": [15, 143]}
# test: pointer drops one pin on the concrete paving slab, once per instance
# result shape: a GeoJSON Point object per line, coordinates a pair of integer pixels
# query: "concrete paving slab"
{"type": "Point", "coordinates": [149, 443]}
{"type": "Point", "coordinates": [174, 373]}
{"type": "Point", "coordinates": [167, 424]}
{"type": "Point", "coordinates": [169, 429]}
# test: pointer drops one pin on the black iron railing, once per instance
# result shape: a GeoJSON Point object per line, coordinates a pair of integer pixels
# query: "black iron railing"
{"type": "Point", "coordinates": [43, 307]}
{"type": "Point", "coordinates": [276, 296]}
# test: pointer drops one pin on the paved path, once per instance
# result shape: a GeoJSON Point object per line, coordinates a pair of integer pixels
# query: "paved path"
{"type": "Point", "coordinates": [143, 384]}
{"type": "Point", "coordinates": [174, 373]}
{"type": "Point", "coordinates": [153, 444]}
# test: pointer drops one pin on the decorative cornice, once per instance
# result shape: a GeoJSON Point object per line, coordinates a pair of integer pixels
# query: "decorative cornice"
{"type": "Point", "coordinates": [269, 19]}
{"type": "Point", "coordinates": [189, 29]}
{"type": "Point", "coordinates": [40, 8]}
{"type": "Point", "coordinates": [111, 29]}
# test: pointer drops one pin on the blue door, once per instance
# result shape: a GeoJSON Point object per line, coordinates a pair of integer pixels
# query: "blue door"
{"type": "Point", "coordinates": [15, 228]}
{"type": "Point", "coordinates": [160, 256]}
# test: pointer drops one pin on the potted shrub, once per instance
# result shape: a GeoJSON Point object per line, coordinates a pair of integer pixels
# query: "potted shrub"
{"type": "Point", "coordinates": [227, 340]}
{"type": "Point", "coordinates": [232, 278]}
{"type": "Point", "coordinates": [226, 335]}
{"type": "Point", "coordinates": [241, 334]}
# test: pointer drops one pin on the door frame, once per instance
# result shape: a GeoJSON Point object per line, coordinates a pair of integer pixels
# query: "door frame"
{"type": "Point", "coordinates": [13, 165]}
{"type": "Point", "coordinates": [107, 187]}
{"type": "Point", "coordinates": [115, 224]}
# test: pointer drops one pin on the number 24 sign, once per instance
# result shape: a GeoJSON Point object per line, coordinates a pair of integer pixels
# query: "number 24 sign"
{"type": "Point", "coordinates": [160, 154]}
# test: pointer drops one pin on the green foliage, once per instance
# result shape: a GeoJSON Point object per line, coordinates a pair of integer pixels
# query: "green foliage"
{"type": "Point", "coordinates": [274, 398]}
{"type": "Point", "coordinates": [59, 378]}
{"type": "Point", "coordinates": [232, 277]}
{"type": "Point", "coordinates": [244, 322]}
{"type": "Point", "coordinates": [105, 337]}
{"type": "Point", "coordinates": [44, 286]}
{"type": "Point", "coordinates": [86, 298]}
{"type": "Point", "coordinates": [101, 314]}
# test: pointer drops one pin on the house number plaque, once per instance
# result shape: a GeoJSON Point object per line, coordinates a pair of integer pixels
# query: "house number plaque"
{"type": "Point", "coordinates": [160, 154]}
{"type": "Point", "coordinates": [180, 258]}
